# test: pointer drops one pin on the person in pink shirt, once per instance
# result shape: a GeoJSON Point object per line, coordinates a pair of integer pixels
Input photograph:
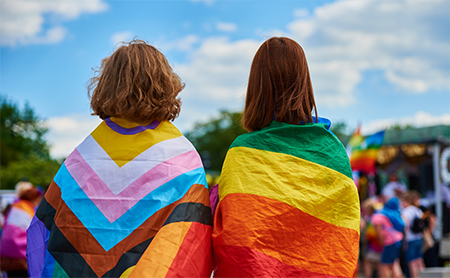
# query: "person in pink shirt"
{"type": "Point", "coordinates": [389, 225]}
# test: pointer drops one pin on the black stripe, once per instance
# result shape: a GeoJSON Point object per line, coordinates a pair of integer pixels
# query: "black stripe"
{"type": "Point", "coordinates": [46, 213]}
{"type": "Point", "coordinates": [190, 212]}
{"type": "Point", "coordinates": [129, 258]}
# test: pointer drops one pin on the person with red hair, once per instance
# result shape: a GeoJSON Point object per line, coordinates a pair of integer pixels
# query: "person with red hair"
{"type": "Point", "coordinates": [287, 205]}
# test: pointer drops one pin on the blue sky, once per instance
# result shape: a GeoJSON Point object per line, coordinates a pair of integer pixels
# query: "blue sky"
{"type": "Point", "coordinates": [372, 62]}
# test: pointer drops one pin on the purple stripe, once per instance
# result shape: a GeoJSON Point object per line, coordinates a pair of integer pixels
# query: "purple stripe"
{"type": "Point", "coordinates": [130, 131]}
{"type": "Point", "coordinates": [36, 247]}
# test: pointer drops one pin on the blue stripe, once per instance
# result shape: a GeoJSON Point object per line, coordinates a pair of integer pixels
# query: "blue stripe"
{"type": "Point", "coordinates": [375, 140]}
{"type": "Point", "coordinates": [109, 234]}
{"type": "Point", "coordinates": [49, 263]}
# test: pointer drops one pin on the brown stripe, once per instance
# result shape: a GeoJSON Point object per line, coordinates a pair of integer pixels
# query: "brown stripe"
{"type": "Point", "coordinates": [88, 247]}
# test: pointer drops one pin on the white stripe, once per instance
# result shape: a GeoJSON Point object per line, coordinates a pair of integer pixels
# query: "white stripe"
{"type": "Point", "coordinates": [19, 218]}
{"type": "Point", "coordinates": [118, 178]}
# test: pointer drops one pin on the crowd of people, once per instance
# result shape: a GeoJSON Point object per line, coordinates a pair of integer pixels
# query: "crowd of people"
{"type": "Point", "coordinates": [16, 220]}
{"type": "Point", "coordinates": [397, 233]}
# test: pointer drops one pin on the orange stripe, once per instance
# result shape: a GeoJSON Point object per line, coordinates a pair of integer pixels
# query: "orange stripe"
{"type": "Point", "coordinates": [157, 259]}
{"type": "Point", "coordinates": [25, 206]}
{"type": "Point", "coordinates": [286, 234]}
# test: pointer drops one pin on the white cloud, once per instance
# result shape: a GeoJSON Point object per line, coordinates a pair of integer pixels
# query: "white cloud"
{"type": "Point", "coordinates": [185, 43]}
{"type": "Point", "coordinates": [301, 12]}
{"type": "Point", "coordinates": [67, 132]}
{"type": "Point", "coordinates": [420, 119]}
{"type": "Point", "coordinates": [226, 26]}
{"type": "Point", "coordinates": [119, 37]}
{"type": "Point", "coordinates": [218, 69]}
{"type": "Point", "coordinates": [404, 38]}
{"type": "Point", "coordinates": [23, 21]}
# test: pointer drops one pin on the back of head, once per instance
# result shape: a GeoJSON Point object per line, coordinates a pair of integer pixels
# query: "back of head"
{"type": "Point", "coordinates": [137, 83]}
{"type": "Point", "coordinates": [31, 195]}
{"type": "Point", "coordinates": [279, 86]}
{"type": "Point", "coordinates": [21, 187]}
{"type": "Point", "coordinates": [411, 197]}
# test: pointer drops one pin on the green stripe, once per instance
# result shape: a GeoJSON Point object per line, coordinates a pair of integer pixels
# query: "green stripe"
{"type": "Point", "coordinates": [311, 141]}
{"type": "Point", "coordinates": [59, 271]}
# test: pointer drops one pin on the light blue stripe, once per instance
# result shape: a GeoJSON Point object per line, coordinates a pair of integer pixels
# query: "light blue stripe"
{"type": "Point", "coordinates": [109, 234]}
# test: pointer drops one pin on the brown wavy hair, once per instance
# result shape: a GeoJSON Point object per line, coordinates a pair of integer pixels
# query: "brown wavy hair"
{"type": "Point", "coordinates": [137, 83]}
{"type": "Point", "coordinates": [279, 86]}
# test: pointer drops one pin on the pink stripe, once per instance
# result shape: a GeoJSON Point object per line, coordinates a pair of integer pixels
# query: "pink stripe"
{"type": "Point", "coordinates": [107, 202]}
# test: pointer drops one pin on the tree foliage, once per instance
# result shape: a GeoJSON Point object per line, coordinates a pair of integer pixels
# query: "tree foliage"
{"type": "Point", "coordinates": [340, 129]}
{"type": "Point", "coordinates": [213, 138]}
{"type": "Point", "coordinates": [24, 151]}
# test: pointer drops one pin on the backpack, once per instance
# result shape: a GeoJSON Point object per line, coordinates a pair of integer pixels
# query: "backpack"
{"type": "Point", "coordinates": [418, 225]}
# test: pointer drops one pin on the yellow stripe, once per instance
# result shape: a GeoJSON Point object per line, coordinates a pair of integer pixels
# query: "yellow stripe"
{"type": "Point", "coordinates": [128, 124]}
{"type": "Point", "coordinates": [305, 185]}
{"type": "Point", "coordinates": [157, 259]}
{"type": "Point", "coordinates": [370, 153]}
{"type": "Point", "coordinates": [124, 148]}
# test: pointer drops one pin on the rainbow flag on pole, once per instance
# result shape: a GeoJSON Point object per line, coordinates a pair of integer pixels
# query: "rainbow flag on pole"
{"type": "Point", "coordinates": [288, 206]}
{"type": "Point", "coordinates": [364, 152]}
{"type": "Point", "coordinates": [129, 201]}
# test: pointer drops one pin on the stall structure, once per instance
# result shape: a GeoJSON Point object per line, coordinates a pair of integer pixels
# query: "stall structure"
{"type": "Point", "coordinates": [422, 156]}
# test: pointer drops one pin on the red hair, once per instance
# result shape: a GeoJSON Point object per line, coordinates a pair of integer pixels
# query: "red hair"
{"type": "Point", "coordinates": [279, 86]}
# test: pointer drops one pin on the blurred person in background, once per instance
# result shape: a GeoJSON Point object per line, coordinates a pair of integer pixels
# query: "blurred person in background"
{"type": "Point", "coordinates": [413, 237]}
{"type": "Point", "coordinates": [371, 252]}
{"type": "Point", "coordinates": [389, 226]}
{"type": "Point", "coordinates": [429, 246]}
{"type": "Point", "coordinates": [393, 188]}
{"type": "Point", "coordinates": [18, 217]}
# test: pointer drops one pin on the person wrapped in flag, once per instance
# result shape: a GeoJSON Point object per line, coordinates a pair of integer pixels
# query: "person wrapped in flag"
{"type": "Point", "coordinates": [132, 199]}
{"type": "Point", "coordinates": [288, 206]}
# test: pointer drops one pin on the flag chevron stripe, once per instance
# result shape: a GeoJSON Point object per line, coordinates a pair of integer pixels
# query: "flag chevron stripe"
{"type": "Point", "coordinates": [94, 187]}
{"type": "Point", "coordinates": [109, 140]}
{"type": "Point", "coordinates": [60, 241]}
{"type": "Point", "coordinates": [309, 141]}
{"type": "Point", "coordinates": [118, 178]}
{"type": "Point", "coordinates": [243, 167]}
{"type": "Point", "coordinates": [96, 228]}
{"type": "Point", "coordinates": [93, 219]}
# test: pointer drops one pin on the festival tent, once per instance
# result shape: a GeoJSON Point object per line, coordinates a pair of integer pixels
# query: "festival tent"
{"type": "Point", "coordinates": [422, 155]}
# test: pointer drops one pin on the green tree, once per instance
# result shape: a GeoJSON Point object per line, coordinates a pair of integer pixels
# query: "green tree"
{"type": "Point", "coordinates": [213, 138]}
{"type": "Point", "coordinates": [24, 151]}
{"type": "Point", "coordinates": [340, 129]}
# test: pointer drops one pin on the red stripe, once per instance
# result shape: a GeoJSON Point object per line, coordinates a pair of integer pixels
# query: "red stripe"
{"type": "Point", "coordinates": [188, 261]}
{"type": "Point", "coordinates": [241, 263]}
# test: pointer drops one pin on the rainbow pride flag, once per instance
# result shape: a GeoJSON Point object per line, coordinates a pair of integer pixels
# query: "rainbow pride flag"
{"type": "Point", "coordinates": [364, 155]}
{"type": "Point", "coordinates": [288, 206]}
{"type": "Point", "coordinates": [130, 201]}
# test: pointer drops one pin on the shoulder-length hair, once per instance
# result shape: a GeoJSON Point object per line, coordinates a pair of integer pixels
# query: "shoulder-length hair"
{"type": "Point", "coordinates": [279, 86]}
{"type": "Point", "coordinates": [137, 83]}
